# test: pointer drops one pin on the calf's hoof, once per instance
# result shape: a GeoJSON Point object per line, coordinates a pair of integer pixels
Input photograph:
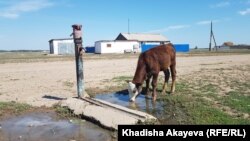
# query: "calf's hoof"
{"type": "Point", "coordinates": [162, 93]}
{"type": "Point", "coordinates": [154, 98]}
{"type": "Point", "coordinates": [171, 92]}
{"type": "Point", "coordinates": [148, 96]}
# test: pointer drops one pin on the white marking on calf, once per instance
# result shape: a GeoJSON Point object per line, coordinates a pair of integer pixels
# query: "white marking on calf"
{"type": "Point", "coordinates": [133, 91]}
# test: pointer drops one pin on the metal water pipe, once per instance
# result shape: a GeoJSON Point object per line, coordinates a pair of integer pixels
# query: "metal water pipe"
{"type": "Point", "coordinates": [77, 36]}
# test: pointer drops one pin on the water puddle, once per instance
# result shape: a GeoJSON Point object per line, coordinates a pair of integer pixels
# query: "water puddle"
{"type": "Point", "coordinates": [167, 112]}
{"type": "Point", "coordinates": [170, 115]}
{"type": "Point", "coordinates": [141, 103]}
{"type": "Point", "coordinates": [45, 127]}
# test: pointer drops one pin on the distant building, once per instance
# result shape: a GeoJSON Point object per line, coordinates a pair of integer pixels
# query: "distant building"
{"type": "Point", "coordinates": [240, 46]}
{"type": "Point", "coordinates": [181, 47]}
{"type": "Point", "coordinates": [143, 38]}
{"type": "Point", "coordinates": [130, 42]}
{"type": "Point", "coordinates": [124, 43]}
{"type": "Point", "coordinates": [231, 46]}
{"type": "Point", "coordinates": [148, 41]}
{"type": "Point", "coordinates": [228, 44]}
{"type": "Point", "coordinates": [62, 46]}
{"type": "Point", "coordinates": [114, 46]}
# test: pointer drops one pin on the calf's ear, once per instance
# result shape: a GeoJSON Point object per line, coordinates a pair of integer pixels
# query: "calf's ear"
{"type": "Point", "coordinates": [127, 81]}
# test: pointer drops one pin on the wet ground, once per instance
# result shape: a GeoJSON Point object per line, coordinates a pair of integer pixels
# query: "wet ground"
{"type": "Point", "coordinates": [141, 103]}
{"type": "Point", "coordinates": [165, 112]}
{"type": "Point", "coordinates": [47, 127]}
{"type": "Point", "coordinates": [39, 126]}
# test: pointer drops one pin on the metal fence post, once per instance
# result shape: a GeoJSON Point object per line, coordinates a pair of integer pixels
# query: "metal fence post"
{"type": "Point", "coordinates": [77, 35]}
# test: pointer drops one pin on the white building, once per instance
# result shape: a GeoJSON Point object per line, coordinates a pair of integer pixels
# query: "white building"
{"type": "Point", "coordinates": [130, 42]}
{"type": "Point", "coordinates": [114, 46]}
{"type": "Point", "coordinates": [143, 38]}
{"type": "Point", "coordinates": [62, 46]}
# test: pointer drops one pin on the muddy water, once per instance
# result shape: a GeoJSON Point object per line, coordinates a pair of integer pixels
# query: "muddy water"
{"type": "Point", "coordinates": [45, 127]}
{"type": "Point", "coordinates": [141, 103]}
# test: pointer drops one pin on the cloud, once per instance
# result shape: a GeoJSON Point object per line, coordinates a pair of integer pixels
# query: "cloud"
{"type": "Point", "coordinates": [244, 2]}
{"type": "Point", "coordinates": [245, 12]}
{"type": "Point", "coordinates": [178, 26]}
{"type": "Point", "coordinates": [221, 4]}
{"type": "Point", "coordinates": [206, 22]}
{"type": "Point", "coordinates": [16, 8]}
{"type": "Point", "coordinates": [174, 27]}
{"type": "Point", "coordinates": [203, 22]}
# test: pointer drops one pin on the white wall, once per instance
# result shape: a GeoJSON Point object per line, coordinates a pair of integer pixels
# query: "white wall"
{"type": "Point", "coordinates": [152, 43]}
{"type": "Point", "coordinates": [115, 46]}
{"type": "Point", "coordinates": [98, 47]}
{"type": "Point", "coordinates": [55, 44]}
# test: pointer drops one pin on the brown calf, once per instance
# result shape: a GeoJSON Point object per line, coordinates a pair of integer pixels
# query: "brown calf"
{"type": "Point", "coordinates": [150, 63]}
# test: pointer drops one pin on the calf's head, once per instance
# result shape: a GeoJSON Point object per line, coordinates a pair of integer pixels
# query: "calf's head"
{"type": "Point", "coordinates": [133, 91]}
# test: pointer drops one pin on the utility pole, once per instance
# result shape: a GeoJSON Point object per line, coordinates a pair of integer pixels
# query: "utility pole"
{"type": "Point", "coordinates": [212, 37]}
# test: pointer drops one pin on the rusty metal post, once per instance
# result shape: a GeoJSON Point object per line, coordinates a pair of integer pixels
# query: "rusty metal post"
{"type": "Point", "coordinates": [77, 35]}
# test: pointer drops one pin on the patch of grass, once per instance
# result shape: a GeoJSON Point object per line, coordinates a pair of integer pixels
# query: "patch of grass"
{"type": "Point", "coordinates": [175, 109]}
{"type": "Point", "coordinates": [205, 52]}
{"type": "Point", "coordinates": [68, 84]}
{"type": "Point", "coordinates": [16, 57]}
{"type": "Point", "coordinates": [13, 108]}
{"type": "Point", "coordinates": [187, 106]}
{"type": "Point", "coordinates": [244, 88]}
{"type": "Point", "coordinates": [202, 112]}
{"type": "Point", "coordinates": [119, 85]}
{"type": "Point", "coordinates": [212, 64]}
{"type": "Point", "coordinates": [203, 88]}
{"type": "Point", "coordinates": [208, 88]}
{"type": "Point", "coordinates": [122, 81]}
{"type": "Point", "coordinates": [63, 111]}
{"type": "Point", "coordinates": [14, 79]}
{"type": "Point", "coordinates": [147, 122]}
{"type": "Point", "coordinates": [237, 101]}
{"type": "Point", "coordinates": [201, 100]}
{"type": "Point", "coordinates": [182, 87]}
{"type": "Point", "coordinates": [122, 78]}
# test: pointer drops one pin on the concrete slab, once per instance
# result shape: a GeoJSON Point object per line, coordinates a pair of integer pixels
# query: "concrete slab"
{"type": "Point", "coordinates": [106, 114]}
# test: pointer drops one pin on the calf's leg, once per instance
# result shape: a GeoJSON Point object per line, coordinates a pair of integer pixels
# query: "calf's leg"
{"type": "Point", "coordinates": [167, 74]}
{"type": "Point", "coordinates": [154, 85]}
{"type": "Point", "coordinates": [173, 74]}
{"type": "Point", "coordinates": [147, 87]}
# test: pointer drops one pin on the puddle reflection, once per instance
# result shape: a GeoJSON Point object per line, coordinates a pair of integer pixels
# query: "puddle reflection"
{"type": "Point", "coordinates": [42, 127]}
{"type": "Point", "coordinates": [141, 104]}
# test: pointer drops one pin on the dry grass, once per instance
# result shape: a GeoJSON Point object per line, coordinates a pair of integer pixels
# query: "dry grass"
{"type": "Point", "coordinates": [20, 57]}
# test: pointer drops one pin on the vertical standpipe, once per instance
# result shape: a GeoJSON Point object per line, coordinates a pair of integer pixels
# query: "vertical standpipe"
{"type": "Point", "coordinates": [77, 35]}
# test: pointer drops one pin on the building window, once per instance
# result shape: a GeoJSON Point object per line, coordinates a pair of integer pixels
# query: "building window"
{"type": "Point", "coordinates": [108, 45]}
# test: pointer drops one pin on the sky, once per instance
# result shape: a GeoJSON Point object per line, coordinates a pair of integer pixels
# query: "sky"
{"type": "Point", "coordinates": [30, 24]}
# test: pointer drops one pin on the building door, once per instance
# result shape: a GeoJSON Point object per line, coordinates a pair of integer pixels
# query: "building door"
{"type": "Point", "coordinates": [66, 48]}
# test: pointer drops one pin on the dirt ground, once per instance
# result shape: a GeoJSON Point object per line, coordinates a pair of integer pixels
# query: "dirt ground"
{"type": "Point", "coordinates": [46, 83]}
